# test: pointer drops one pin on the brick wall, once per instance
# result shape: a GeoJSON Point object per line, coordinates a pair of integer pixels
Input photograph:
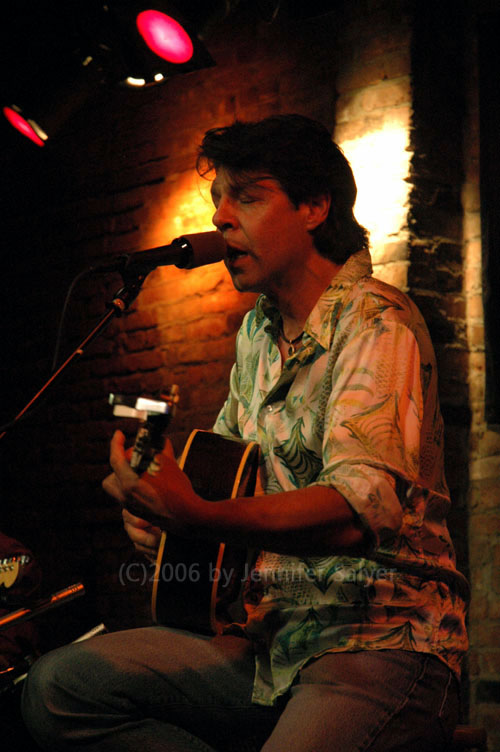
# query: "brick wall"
{"type": "Point", "coordinates": [120, 178]}
{"type": "Point", "coordinates": [436, 278]}
{"type": "Point", "coordinates": [483, 499]}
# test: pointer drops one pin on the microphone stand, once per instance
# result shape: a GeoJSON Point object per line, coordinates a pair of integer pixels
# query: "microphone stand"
{"type": "Point", "coordinates": [133, 279]}
{"type": "Point", "coordinates": [39, 607]}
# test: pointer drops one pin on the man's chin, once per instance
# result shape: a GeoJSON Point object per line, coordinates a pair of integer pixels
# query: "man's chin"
{"type": "Point", "coordinates": [238, 279]}
{"type": "Point", "coordinates": [240, 284]}
{"type": "Point", "coordinates": [242, 279]}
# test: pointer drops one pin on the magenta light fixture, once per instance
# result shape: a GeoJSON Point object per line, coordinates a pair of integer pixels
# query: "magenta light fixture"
{"type": "Point", "coordinates": [22, 125]}
{"type": "Point", "coordinates": [165, 36]}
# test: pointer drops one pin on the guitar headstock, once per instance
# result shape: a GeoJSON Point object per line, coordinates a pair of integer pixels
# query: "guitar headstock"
{"type": "Point", "coordinates": [154, 415]}
{"type": "Point", "coordinates": [164, 403]}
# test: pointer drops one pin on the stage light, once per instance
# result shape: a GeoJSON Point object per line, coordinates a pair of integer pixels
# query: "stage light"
{"type": "Point", "coordinates": [131, 81]}
{"type": "Point", "coordinates": [165, 36]}
{"type": "Point", "coordinates": [40, 107]}
{"type": "Point", "coordinates": [154, 40]}
{"type": "Point", "coordinates": [29, 129]}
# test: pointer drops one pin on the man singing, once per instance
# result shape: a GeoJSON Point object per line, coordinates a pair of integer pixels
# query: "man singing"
{"type": "Point", "coordinates": [354, 629]}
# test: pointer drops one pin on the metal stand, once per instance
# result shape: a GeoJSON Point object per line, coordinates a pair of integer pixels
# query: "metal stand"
{"type": "Point", "coordinates": [39, 607]}
{"type": "Point", "coordinates": [13, 676]}
{"type": "Point", "coordinates": [120, 303]}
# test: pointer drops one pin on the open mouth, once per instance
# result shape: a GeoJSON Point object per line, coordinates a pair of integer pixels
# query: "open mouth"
{"type": "Point", "coordinates": [233, 254]}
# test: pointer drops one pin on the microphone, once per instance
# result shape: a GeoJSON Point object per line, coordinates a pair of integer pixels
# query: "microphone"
{"type": "Point", "coordinates": [186, 252]}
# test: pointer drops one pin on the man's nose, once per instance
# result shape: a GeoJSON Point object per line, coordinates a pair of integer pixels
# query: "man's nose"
{"type": "Point", "coordinates": [224, 217]}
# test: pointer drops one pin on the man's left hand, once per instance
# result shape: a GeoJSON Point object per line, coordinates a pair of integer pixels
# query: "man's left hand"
{"type": "Point", "coordinates": [163, 495]}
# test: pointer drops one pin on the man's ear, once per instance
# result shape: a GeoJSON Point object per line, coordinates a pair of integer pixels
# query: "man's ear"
{"type": "Point", "coordinates": [317, 210]}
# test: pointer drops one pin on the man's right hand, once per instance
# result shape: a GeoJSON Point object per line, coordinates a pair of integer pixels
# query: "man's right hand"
{"type": "Point", "coordinates": [144, 536]}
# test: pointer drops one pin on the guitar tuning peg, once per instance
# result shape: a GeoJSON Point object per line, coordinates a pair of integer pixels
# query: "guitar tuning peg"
{"type": "Point", "coordinates": [173, 396]}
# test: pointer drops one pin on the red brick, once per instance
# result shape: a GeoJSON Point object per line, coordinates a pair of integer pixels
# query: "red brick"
{"type": "Point", "coordinates": [485, 524]}
{"type": "Point", "coordinates": [391, 94]}
{"type": "Point", "coordinates": [475, 306]}
{"type": "Point", "coordinates": [382, 68]}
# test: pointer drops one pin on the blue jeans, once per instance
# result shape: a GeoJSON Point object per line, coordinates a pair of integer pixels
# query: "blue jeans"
{"type": "Point", "coordinates": [156, 689]}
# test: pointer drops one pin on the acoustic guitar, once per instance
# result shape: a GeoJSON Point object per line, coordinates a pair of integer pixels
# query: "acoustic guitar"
{"type": "Point", "coordinates": [197, 584]}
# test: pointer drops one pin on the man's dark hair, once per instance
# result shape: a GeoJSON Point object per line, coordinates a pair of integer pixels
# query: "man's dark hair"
{"type": "Point", "coordinates": [299, 153]}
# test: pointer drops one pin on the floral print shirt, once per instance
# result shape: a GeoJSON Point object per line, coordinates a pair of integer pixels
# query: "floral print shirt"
{"type": "Point", "coordinates": [355, 408]}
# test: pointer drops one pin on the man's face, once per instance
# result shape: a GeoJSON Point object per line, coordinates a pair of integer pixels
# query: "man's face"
{"type": "Point", "coordinates": [268, 237]}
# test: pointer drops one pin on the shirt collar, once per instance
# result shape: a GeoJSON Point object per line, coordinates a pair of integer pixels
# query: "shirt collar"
{"type": "Point", "coordinates": [319, 321]}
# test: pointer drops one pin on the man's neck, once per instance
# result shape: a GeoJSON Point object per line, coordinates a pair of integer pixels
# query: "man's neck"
{"type": "Point", "coordinates": [296, 302]}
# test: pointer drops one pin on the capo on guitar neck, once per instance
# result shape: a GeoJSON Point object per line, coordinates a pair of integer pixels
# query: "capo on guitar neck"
{"type": "Point", "coordinates": [125, 406]}
{"type": "Point", "coordinates": [154, 415]}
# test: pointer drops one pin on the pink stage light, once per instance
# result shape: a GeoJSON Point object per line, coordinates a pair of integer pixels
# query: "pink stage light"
{"type": "Point", "coordinates": [22, 125]}
{"type": "Point", "coordinates": [165, 36]}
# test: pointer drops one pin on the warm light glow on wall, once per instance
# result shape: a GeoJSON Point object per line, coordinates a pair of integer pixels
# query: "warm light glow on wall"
{"type": "Point", "coordinates": [193, 207]}
{"type": "Point", "coordinates": [380, 162]}
{"type": "Point", "coordinates": [184, 207]}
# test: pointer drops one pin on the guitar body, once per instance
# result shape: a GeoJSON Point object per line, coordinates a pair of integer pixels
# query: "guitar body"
{"type": "Point", "coordinates": [11, 569]}
{"type": "Point", "coordinates": [197, 583]}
